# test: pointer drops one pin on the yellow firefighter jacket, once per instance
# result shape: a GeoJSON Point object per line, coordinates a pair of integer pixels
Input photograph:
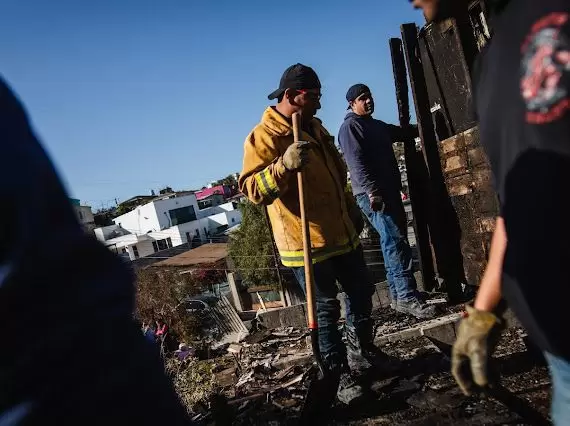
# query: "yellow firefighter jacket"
{"type": "Point", "coordinates": [264, 180]}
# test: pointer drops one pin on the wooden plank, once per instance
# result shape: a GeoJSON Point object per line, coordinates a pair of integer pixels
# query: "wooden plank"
{"type": "Point", "coordinates": [418, 177]}
{"type": "Point", "coordinates": [444, 227]}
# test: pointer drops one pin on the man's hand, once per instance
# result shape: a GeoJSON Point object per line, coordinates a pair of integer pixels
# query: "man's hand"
{"type": "Point", "coordinates": [376, 202]}
{"type": "Point", "coordinates": [473, 348]}
{"type": "Point", "coordinates": [296, 156]}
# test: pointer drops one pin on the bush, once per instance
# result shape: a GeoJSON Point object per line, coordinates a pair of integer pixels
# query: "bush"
{"type": "Point", "coordinates": [194, 381]}
{"type": "Point", "coordinates": [160, 296]}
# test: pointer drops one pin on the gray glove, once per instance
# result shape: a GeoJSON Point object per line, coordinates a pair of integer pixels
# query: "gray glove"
{"type": "Point", "coordinates": [296, 156]}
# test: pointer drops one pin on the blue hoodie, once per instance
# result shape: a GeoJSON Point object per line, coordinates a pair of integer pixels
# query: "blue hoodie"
{"type": "Point", "coordinates": [367, 147]}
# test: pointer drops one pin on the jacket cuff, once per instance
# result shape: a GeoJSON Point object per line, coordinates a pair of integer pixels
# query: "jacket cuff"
{"type": "Point", "coordinates": [280, 170]}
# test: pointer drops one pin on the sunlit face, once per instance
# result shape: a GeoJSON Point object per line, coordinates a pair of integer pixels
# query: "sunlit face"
{"type": "Point", "coordinates": [363, 105]}
{"type": "Point", "coordinates": [307, 101]}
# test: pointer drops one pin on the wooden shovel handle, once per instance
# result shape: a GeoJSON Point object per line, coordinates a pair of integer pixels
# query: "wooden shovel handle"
{"type": "Point", "coordinates": [307, 254]}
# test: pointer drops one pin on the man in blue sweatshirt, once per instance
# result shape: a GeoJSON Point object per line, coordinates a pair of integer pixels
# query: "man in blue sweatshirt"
{"type": "Point", "coordinates": [376, 183]}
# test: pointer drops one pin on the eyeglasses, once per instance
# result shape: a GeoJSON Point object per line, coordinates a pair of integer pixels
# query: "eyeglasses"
{"type": "Point", "coordinates": [311, 95]}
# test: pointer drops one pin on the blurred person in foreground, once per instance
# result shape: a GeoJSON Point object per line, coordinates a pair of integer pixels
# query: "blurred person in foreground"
{"type": "Point", "coordinates": [522, 98]}
{"type": "Point", "coordinates": [78, 357]}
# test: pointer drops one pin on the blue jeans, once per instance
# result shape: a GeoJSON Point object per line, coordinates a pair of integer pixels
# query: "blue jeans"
{"type": "Point", "coordinates": [391, 224]}
{"type": "Point", "coordinates": [560, 372]}
{"type": "Point", "coordinates": [350, 271]}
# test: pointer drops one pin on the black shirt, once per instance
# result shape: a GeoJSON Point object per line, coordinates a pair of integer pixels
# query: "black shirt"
{"type": "Point", "coordinates": [522, 95]}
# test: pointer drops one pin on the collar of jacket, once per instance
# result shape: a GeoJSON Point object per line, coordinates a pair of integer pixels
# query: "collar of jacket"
{"type": "Point", "coordinates": [280, 125]}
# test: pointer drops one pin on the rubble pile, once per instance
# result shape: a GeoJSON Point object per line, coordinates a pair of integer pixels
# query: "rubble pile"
{"type": "Point", "coordinates": [267, 381]}
{"type": "Point", "coordinates": [263, 381]}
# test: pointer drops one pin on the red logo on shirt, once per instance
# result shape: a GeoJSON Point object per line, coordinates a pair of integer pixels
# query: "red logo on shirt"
{"type": "Point", "coordinates": [546, 70]}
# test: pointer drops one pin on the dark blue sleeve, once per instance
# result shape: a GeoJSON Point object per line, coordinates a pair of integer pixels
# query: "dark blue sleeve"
{"type": "Point", "coordinates": [352, 142]}
{"type": "Point", "coordinates": [72, 352]}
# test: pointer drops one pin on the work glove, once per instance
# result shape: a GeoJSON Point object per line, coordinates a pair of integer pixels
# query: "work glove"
{"type": "Point", "coordinates": [376, 202]}
{"type": "Point", "coordinates": [476, 338]}
{"type": "Point", "coordinates": [296, 156]}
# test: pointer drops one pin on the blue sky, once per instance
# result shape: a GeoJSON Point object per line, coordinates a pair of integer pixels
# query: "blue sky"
{"type": "Point", "coordinates": [132, 95]}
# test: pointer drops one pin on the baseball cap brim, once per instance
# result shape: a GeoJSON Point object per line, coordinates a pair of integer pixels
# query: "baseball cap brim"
{"type": "Point", "coordinates": [275, 94]}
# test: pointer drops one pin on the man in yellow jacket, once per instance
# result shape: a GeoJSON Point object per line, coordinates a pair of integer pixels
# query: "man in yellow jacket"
{"type": "Point", "coordinates": [271, 160]}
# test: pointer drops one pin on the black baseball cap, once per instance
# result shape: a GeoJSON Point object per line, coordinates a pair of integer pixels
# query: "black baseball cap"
{"type": "Point", "coordinates": [297, 76]}
{"type": "Point", "coordinates": [355, 91]}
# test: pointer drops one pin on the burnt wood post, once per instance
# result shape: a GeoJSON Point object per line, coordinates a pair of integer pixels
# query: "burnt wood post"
{"type": "Point", "coordinates": [418, 178]}
{"type": "Point", "coordinates": [444, 228]}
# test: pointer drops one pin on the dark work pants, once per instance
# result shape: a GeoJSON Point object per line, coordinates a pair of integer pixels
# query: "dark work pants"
{"type": "Point", "coordinates": [352, 274]}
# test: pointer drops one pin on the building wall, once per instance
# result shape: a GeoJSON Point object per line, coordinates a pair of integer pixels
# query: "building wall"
{"type": "Point", "coordinates": [222, 208]}
{"type": "Point", "coordinates": [144, 248]}
{"type": "Point", "coordinates": [154, 216]}
{"type": "Point", "coordinates": [85, 214]}
{"type": "Point", "coordinates": [153, 220]}
{"type": "Point", "coordinates": [164, 206]}
{"type": "Point", "coordinates": [104, 233]}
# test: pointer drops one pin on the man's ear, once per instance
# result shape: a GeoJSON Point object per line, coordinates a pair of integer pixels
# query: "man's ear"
{"type": "Point", "coordinates": [290, 95]}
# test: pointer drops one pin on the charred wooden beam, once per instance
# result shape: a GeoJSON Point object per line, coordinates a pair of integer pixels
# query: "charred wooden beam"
{"type": "Point", "coordinates": [416, 168]}
{"type": "Point", "coordinates": [444, 228]}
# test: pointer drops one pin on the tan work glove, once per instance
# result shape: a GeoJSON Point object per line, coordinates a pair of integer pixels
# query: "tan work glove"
{"type": "Point", "coordinates": [476, 337]}
{"type": "Point", "coordinates": [296, 156]}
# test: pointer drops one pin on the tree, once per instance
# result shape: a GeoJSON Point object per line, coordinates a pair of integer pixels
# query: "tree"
{"type": "Point", "coordinates": [250, 247]}
{"type": "Point", "coordinates": [229, 180]}
{"type": "Point", "coordinates": [166, 190]}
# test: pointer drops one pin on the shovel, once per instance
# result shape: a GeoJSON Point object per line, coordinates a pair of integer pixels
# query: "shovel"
{"type": "Point", "coordinates": [323, 384]}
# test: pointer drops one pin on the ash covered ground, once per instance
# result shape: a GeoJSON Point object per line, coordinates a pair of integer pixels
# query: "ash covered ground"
{"type": "Point", "coordinates": [264, 382]}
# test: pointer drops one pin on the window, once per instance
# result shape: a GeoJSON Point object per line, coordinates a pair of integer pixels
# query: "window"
{"type": "Point", "coordinates": [233, 219]}
{"type": "Point", "coordinates": [162, 244]}
{"type": "Point", "coordinates": [182, 215]}
{"type": "Point", "coordinates": [80, 215]}
{"type": "Point", "coordinates": [123, 250]}
{"type": "Point", "coordinates": [169, 242]}
{"type": "Point", "coordinates": [136, 252]}
{"type": "Point", "coordinates": [155, 246]}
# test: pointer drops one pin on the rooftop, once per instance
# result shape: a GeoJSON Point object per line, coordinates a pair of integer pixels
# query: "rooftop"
{"type": "Point", "coordinates": [208, 253]}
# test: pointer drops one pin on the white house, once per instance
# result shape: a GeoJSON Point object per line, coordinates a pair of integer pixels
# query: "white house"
{"type": "Point", "coordinates": [167, 221]}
